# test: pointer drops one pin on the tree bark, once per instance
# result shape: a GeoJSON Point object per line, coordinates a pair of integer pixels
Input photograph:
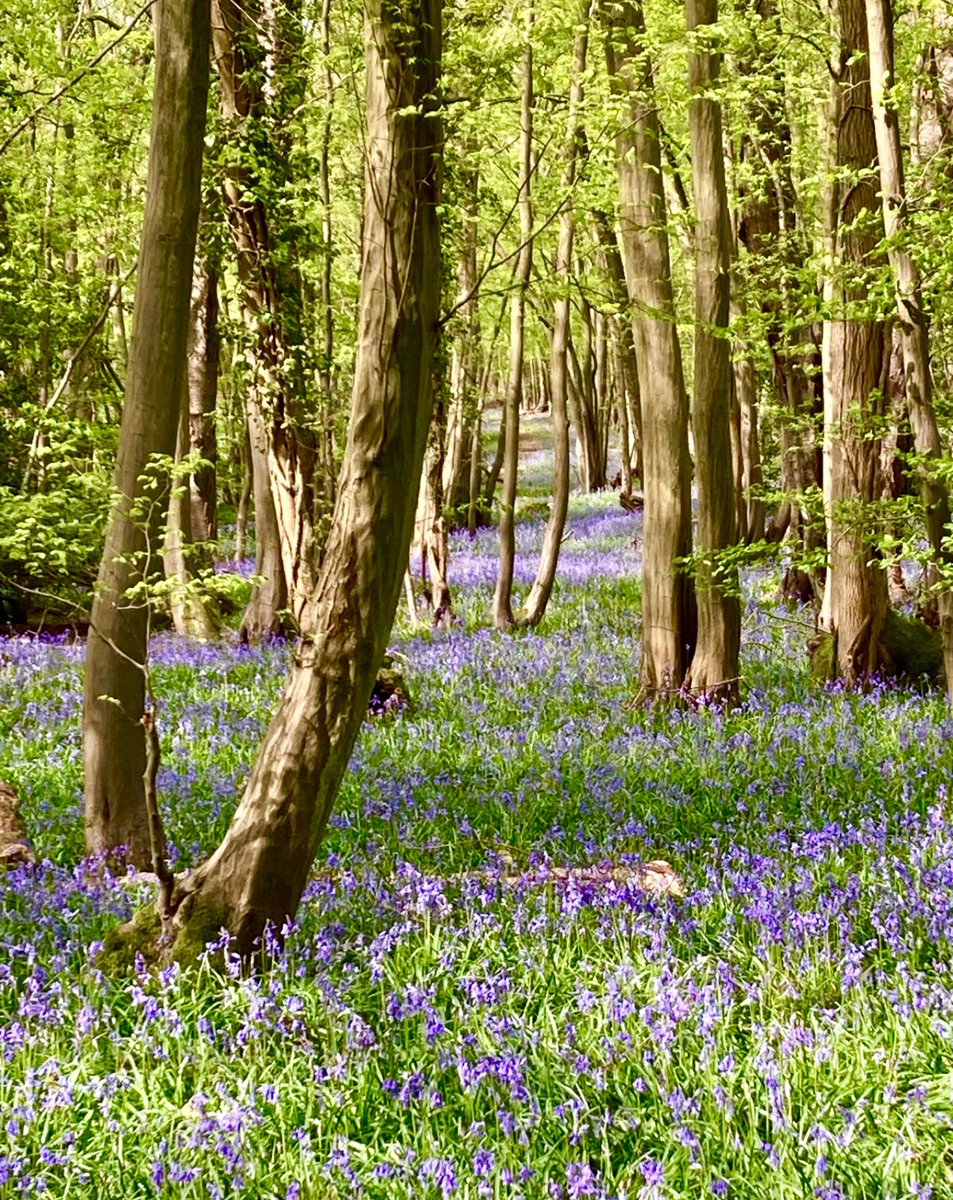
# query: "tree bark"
{"type": "Point", "coordinates": [260, 85]}
{"type": "Point", "coordinates": [713, 674]}
{"type": "Point", "coordinates": [259, 871]}
{"type": "Point", "coordinates": [114, 695]}
{"type": "Point", "coordinates": [326, 374]}
{"type": "Point", "coordinates": [202, 370]}
{"type": "Point", "coordinates": [668, 600]}
{"type": "Point", "coordinates": [855, 600]}
{"type": "Point", "coordinates": [911, 319]}
{"type": "Point", "coordinates": [190, 615]}
{"type": "Point", "coordinates": [456, 473]}
{"type": "Point", "coordinates": [503, 617]}
{"type": "Point", "coordinates": [535, 606]}
{"type": "Point", "coordinates": [630, 402]}
{"type": "Point", "coordinates": [266, 614]}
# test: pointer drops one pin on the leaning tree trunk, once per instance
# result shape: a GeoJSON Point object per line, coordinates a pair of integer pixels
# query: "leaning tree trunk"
{"type": "Point", "coordinates": [114, 747]}
{"type": "Point", "coordinates": [713, 674]}
{"type": "Point", "coordinates": [535, 606]}
{"type": "Point", "coordinates": [259, 871]}
{"type": "Point", "coordinates": [503, 596]}
{"type": "Point", "coordinates": [668, 601]}
{"type": "Point", "coordinates": [855, 600]}
{"type": "Point", "coordinates": [912, 320]}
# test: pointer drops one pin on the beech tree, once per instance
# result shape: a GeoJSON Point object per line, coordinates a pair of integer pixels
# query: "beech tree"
{"type": "Point", "coordinates": [114, 748]}
{"type": "Point", "coordinates": [713, 672]}
{"type": "Point", "coordinates": [261, 83]}
{"type": "Point", "coordinates": [259, 871]}
{"type": "Point", "coordinates": [855, 597]}
{"type": "Point", "coordinates": [914, 336]}
{"type": "Point", "coordinates": [668, 601]}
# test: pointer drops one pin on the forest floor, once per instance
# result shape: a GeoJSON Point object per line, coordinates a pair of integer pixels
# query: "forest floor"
{"type": "Point", "coordinates": [432, 1030]}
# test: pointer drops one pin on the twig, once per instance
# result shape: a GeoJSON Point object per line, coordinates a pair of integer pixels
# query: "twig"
{"type": "Point", "coordinates": [160, 864]}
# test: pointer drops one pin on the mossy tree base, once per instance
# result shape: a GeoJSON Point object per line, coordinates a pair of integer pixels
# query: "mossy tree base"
{"type": "Point", "coordinates": [912, 651]}
{"type": "Point", "coordinates": [154, 942]}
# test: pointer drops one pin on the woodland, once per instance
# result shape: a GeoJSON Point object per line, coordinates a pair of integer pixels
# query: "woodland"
{"type": "Point", "coordinates": [476, 591]}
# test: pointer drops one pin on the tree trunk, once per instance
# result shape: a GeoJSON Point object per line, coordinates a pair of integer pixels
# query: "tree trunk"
{"type": "Point", "coordinates": [190, 615]}
{"type": "Point", "coordinates": [260, 87]}
{"type": "Point", "coordinates": [202, 371]}
{"type": "Point", "coordinates": [114, 698]}
{"type": "Point", "coordinates": [326, 374]}
{"type": "Point", "coordinates": [713, 674]}
{"type": "Point", "coordinates": [538, 598]}
{"type": "Point", "coordinates": [668, 601]}
{"type": "Point", "coordinates": [912, 321]}
{"type": "Point", "coordinates": [630, 403]}
{"type": "Point", "coordinates": [244, 495]}
{"type": "Point", "coordinates": [855, 600]}
{"type": "Point", "coordinates": [503, 596]}
{"type": "Point", "coordinates": [265, 614]}
{"type": "Point", "coordinates": [259, 871]}
{"type": "Point", "coordinates": [431, 523]}
{"type": "Point", "coordinates": [456, 473]}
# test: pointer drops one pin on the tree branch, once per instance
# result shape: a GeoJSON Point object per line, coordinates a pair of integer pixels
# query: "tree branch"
{"type": "Point", "coordinates": [61, 91]}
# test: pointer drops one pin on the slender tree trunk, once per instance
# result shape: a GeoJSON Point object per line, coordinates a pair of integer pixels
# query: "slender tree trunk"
{"type": "Point", "coordinates": [496, 466]}
{"type": "Point", "coordinates": [244, 495]}
{"type": "Point", "coordinates": [855, 600]}
{"type": "Point", "coordinates": [202, 371]}
{"type": "Point", "coordinates": [668, 601]}
{"type": "Point", "coordinates": [912, 321]}
{"type": "Point", "coordinates": [630, 403]}
{"type": "Point", "coordinates": [326, 372]}
{"type": "Point", "coordinates": [587, 407]}
{"type": "Point", "coordinates": [503, 597]}
{"type": "Point", "coordinates": [259, 871]}
{"type": "Point", "coordinates": [751, 509]}
{"type": "Point", "coordinates": [456, 473]}
{"type": "Point", "coordinates": [266, 613]}
{"type": "Point", "coordinates": [474, 515]}
{"type": "Point", "coordinates": [432, 526]}
{"type": "Point", "coordinates": [713, 673]}
{"type": "Point", "coordinates": [114, 748]}
{"type": "Point", "coordinates": [535, 606]}
{"type": "Point", "coordinates": [190, 615]}
{"type": "Point", "coordinates": [476, 470]}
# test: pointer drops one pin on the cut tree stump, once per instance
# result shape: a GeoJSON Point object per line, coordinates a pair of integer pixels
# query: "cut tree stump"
{"type": "Point", "coordinates": [15, 848]}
